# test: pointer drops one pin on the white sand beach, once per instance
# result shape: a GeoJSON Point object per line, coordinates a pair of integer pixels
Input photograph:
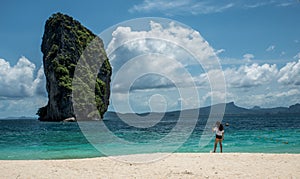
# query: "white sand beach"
{"type": "Point", "coordinates": [177, 165]}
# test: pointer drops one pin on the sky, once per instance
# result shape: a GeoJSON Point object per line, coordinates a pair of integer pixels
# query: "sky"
{"type": "Point", "coordinates": [166, 55]}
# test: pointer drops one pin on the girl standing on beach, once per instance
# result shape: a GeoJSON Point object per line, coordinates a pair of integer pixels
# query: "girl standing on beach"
{"type": "Point", "coordinates": [219, 129]}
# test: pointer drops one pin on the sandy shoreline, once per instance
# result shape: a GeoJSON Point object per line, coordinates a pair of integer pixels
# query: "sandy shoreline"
{"type": "Point", "coordinates": [177, 165]}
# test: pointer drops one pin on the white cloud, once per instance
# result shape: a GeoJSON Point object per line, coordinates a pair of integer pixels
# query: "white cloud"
{"type": "Point", "coordinates": [290, 74]}
{"type": "Point", "coordinates": [166, 49]}
{"type": "Point", "coordinates": [277, 3]}
{"type": "Point", "coordinates": [16, 107]}
{"type": "Point", "coordinates": [19, 80]}
{"type": "Point", "coordinates": [255, 5]}
{"type": "Point", "coordinates": [285, 4]}
{"type": "Point", "coordinates": [272, 85]}
{"type": "Point", "coordinates": [181, 7]}
{"type": "Point", "coordinates": [248, 57]}
{"type": "Point", "coordinates": [297, 56]}
{"type": "Point", "coordinates": [270, 99]}
{"type": "Point", "coordinates": [270, 48]}
{"type": "Point", "coordinates": [149, 72]}
{"type": "Point", "coordinates": [39, 84]}
{"type": "Point", "coordinates": [291, 92]}
{"type": "Point", "coordinates": [171, 39]}
{"type": "Point", "coordinates": [215, 76]}
{"type": "Point", "coordinates": [218, 96]}
{"type": "Point", "coordinates": [220, 51]}
{"type": "Point", "coordinates": [250, 75]}
{"type": "Point", "coordinates": [138, 54]}
{"type": "Point", "coordinates": [247, 76]}
{"type": "Point", "coordinates": [161, 58]}
{"type": "Point", "coordinates": [194, 7]}
{"type": "Point", "coordinates": [148, 5]}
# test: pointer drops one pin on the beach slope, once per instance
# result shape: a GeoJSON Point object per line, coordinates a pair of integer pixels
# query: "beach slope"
{"type": "Point", "coordinates": [177, 165]}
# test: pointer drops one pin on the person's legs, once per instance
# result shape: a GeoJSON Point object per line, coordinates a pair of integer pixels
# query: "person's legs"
{"type": "Point", "coordinates": [220, 145]}
{"type": "Point", "coordinates": [215, 146]}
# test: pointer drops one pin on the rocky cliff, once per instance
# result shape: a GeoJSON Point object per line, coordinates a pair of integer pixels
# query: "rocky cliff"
{"type": "Point", "coordinates": [64, 42]}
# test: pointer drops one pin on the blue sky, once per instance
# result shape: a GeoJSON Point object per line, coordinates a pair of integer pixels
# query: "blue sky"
{"type": "Point", "coordinates": [256, 42]}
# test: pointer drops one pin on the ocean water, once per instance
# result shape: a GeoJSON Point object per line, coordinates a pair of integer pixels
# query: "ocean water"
{"type": "Point", "coordinates": [32, 139]}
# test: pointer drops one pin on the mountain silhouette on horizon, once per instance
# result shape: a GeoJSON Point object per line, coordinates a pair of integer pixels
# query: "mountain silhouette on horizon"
{"type": "Point", "coordinates": [232, 109]}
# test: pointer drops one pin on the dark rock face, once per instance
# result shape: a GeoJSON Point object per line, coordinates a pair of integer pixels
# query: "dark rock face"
{"type": "Point", "coordinates": [64, 41]}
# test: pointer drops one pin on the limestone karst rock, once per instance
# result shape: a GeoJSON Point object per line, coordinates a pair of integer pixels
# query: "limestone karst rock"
{"type": "Point", "coordinates": [64, 42]}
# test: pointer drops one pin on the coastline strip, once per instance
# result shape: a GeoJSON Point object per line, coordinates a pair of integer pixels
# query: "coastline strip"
{"type": "Point", "coordinates": [175, 165]}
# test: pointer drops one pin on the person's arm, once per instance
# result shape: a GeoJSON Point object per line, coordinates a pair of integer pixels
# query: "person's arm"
{"type": "Point", "coordinates": [223, 135]}
{"type": "Point", "coordinates": [213, 129]}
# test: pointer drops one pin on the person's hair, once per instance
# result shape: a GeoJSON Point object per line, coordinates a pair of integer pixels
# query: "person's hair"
{"type": "Point", "coordinates": [221, 127]}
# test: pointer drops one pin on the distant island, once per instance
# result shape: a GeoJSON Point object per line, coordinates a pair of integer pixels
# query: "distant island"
{"type": "Point", "coordinates": [233, 110]}
{"type": "Point", "coordinates": [230, 110]}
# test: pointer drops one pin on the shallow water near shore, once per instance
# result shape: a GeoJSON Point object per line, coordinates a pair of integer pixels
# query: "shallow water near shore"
{"type": "Point", "coordinates": [32, 139]}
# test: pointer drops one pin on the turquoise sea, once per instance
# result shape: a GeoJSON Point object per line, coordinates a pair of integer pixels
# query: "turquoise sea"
{"type": "Point", "coordinates": [32, 139]}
